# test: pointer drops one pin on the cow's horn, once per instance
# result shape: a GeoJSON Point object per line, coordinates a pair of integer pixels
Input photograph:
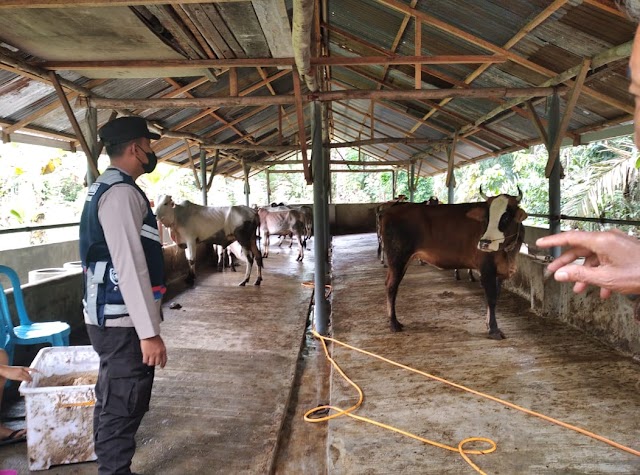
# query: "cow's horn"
{"type": "Point", "coordinates": [519, 195]}
{"type": "Point", "coordinates": [482, 195]}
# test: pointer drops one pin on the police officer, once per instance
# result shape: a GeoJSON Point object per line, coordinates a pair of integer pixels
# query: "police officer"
{"type": "Point", "coordinates": [123, 268]}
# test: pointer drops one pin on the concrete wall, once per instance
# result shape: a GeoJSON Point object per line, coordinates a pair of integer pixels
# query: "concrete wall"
{"type": "Point", "coordinates": [611, 321]}
{"type": "Point", "coordinates": [39, 257]}
{"type": "Point", "coordinates": [352, 218]}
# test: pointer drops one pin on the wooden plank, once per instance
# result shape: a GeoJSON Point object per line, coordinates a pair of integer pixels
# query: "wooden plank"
{"type": "Point", "coordinates": [224, 31]}
{"type": "Point", "coordinates": [208, 29]}
{"type": "Point", "coordinates": [97, 3]}
{"type": "Point", "coordinates": [266, 62]}
{"type": "Point", "coordinates": [242, 20]}
{"type": "Point", "coordinates": [273, 18]}
{"type": "Point", "coordinates": [182, 35]}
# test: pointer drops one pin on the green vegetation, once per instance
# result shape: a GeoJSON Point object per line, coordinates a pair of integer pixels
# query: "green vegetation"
{"type": "Point", "coordinates": [45, 186]}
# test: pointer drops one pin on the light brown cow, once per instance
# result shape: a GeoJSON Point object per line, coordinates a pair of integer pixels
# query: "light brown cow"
{"type": "Point", "coordinates": [282, 223]}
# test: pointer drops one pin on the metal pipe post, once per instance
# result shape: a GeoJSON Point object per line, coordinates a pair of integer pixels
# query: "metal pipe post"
{"type": "Point", "coordinates": [321, 313]}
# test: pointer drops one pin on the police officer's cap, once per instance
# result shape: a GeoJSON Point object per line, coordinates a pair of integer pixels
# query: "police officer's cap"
{"type": "Point", "coordinates": [124, 129]}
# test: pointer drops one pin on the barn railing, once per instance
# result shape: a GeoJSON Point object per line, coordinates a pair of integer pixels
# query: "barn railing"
{"type": "Point", "coordinates": [601, 220]}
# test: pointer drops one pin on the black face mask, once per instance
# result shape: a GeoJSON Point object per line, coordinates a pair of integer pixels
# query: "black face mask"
{"type": "Point", "coordinates": [151, 164]}
{"type": "Point", "coordinates": [152, 161]}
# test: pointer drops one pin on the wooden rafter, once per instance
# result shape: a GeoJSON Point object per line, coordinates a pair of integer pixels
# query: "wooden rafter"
{"type": "Point", "coordinates": [302, 136]}
{"type": "Point", "coordinates": [444, 111]}
{"type": "Point", "coordinates": [6, 4]}
{"type": "Point", "coordinates": [475, 40]}
{"type": "Point", "coordinates": [299, 98]}
{"type": "Point", "coordinates": [234, 63]}
{"type": "Point", "coordinates": [74, 124]}
{"type": "Point", "coordinates": [566, 117]}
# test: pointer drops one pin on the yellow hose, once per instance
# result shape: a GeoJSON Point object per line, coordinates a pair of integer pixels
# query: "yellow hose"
{"type": "Point", "coordinates": [464, 453]}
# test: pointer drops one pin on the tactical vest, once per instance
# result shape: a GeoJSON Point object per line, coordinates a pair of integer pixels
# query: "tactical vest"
{"type": "Point", "coordinates": [102, 297]}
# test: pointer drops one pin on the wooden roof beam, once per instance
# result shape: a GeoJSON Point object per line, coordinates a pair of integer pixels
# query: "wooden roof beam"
{"type": "Point", "coordinates": [516, 58]}
{"type": "Point", "coordinates": [519, 92]}
{"type": "Point", "coordinates": [234, 63]}
{"type": "Point", "coordinates": [440, 109]}
{"type": "Point", "coordinates": [7, 4]}
{"type": "Point", "coordinates": [524, 31]}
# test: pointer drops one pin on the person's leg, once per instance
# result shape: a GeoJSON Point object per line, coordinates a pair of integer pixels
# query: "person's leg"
{"type": "Point", "coordinates": [125, 384]}
{"type": "Point", "coordinates": [5, 431]}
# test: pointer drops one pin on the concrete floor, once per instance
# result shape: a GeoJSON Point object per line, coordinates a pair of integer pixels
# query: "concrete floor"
{"type": "Point", "coordinates": [243, 371]}
{"type": "Point", "coordinates": [543, 365]}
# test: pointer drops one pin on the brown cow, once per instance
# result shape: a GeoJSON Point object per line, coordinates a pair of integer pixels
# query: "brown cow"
{"type": "Point", "coordinates": [485, 236]}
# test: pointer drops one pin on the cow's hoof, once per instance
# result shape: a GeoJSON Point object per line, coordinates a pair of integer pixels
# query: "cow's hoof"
{"type": "Point", "coordinates": [396, 326]}
{"type": "Point", "coordinates": [497, 335]}
{"type": "Point", "coordinates": [190, 281]}
{"type": "Point", "coordinates": [257, 282]}
{"type": "Point", "coordinates": [243, 283]}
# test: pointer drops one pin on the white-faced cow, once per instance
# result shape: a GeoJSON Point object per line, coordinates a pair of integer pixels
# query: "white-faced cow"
{"type": "Point", "coordinates": [190, 223]}
{"type": "Point", "coordinates": [485, 236]}
{"type": "Point", "coordinates": [282, 223]}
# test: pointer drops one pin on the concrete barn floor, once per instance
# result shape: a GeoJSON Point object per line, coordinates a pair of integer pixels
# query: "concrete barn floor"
{"type": "Point", "coordinates": [243, 370]}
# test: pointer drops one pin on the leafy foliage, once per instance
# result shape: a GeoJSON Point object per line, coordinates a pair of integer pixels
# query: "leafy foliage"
{"type": "Point", "coordinates": [601, 180]}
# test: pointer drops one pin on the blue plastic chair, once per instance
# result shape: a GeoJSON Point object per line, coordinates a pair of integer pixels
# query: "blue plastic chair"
{"type": "Point", "coordinates": [28, 332]}
{"type": "Point", "coordinates": [6, 342]}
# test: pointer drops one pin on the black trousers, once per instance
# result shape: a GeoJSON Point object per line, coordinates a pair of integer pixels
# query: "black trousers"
{"type": "Point", "coordinates": [123, 392]}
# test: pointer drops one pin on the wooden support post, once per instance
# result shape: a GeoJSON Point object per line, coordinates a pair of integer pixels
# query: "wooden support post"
{"type": "Point", "coordinates": [246, 168]}
{"type": "Point", "coordinates": [302, 138]}
{"type": "Point", "coordinates": [554, 152]}
{"type": "Point", "coordinates": [279, 125]}
{"type": "Point", "coordinates": [193, 165]}
{"type": "Point", "coordinates": [410, 175]}
{"type": "Point", "coordinates": [203, 173]}
{"type": "Point", "coordinates": [74, 123]}
{"type": "Point", "coordinates": [268, 175]}
{"type": "Point", "coordinates": [418, 52]}
{"type": "Point", "coordinates": [451, 177]}
{"type": "Point", "coordinates": [213, 169]}
{"type": "Point", "coordinates": [233, 82]}
{"type": "Point", "coordinates": [91, 133]}
{"type": "Point", "coordinates": [372, 116]}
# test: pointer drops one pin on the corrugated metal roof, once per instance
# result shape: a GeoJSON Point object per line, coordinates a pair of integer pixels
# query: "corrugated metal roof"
{"type": "Point", "coordinates": [358, 29]}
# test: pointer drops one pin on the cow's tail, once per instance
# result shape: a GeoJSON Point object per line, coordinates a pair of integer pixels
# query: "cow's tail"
{"type": "Point", "coordinates": [258, 250]}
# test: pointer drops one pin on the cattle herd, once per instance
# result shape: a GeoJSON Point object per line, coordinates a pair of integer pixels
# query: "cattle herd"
{"type": "Point", "coordinates": [485, 236]}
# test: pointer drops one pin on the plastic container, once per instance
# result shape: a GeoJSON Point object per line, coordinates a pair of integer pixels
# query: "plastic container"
{"type": "Point", "coordinates": [72, 266]}
{"type": "Point", "coordinates": [59, 414]}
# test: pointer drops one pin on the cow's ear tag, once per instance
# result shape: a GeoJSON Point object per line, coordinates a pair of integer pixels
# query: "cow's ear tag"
{"type": "Point", "coordinates": [521, 215]}
{"type": "Point", "coordinates": [477, 213]}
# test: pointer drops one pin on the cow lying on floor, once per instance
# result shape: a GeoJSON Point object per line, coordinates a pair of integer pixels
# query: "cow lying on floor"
{"type": "Point", "coordinates": [190, 223]}
{"type": "Point", "coordinates": [485, 236]}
